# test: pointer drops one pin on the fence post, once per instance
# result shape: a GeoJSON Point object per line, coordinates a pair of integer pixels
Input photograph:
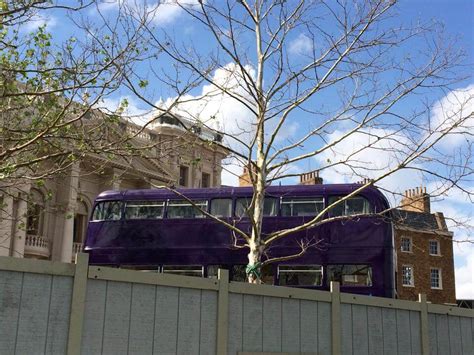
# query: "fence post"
{"type": "Point", "coordinates": [425, 343]}
{"type": "Point", "coordinates": [223, 312]}
{"type": "Point", "coordinates": [335, 318]}
{"type": "Point", "coordinates": [78, 304]}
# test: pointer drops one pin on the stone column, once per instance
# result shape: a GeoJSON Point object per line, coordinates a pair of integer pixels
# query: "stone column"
{"type": "Point", "coordinates": [6, 223]}
{"type": "Point", "coordinates": [112, 180]}
{"type": "Point", "coordinates": [70, 210]}
{"type": "Point", "coordinates": [19, 234]}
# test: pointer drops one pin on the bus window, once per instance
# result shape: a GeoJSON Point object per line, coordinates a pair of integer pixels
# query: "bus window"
{"type": "Point", "coordinates": [353, 205]}
{"type": "Point", "coordinates": [195, 270]}
{"type": "Point", "coordinates": [350, 275]}
{"type": "Point", "coordinates": [144, 209]}
{"type": "Point", "coordinates": [221, 207]}
{"type": "Point", "coordinates": [183, 209]}
{"type": "Point", "coordinates": [239, 274]}
{"type": "Point", "coordinates": [142, 268]}
{"type": "Point", "coordinates": [270, 207]}
{"type": "Point", "coordinates": [301, 207]}
{"type": "Point", "coordinates": [300, 275]}
{"type": "Point", "coordinates": [107, 211]}
{"type": "Point", "coordinates": [212, 270]}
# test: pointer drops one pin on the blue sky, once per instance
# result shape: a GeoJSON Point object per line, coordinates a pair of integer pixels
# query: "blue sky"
{"type": "Point", "coordinates": [457, 16]}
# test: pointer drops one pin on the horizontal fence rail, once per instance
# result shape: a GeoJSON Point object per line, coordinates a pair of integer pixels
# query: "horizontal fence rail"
{"type": "Point", "coordinates": [56, 308]}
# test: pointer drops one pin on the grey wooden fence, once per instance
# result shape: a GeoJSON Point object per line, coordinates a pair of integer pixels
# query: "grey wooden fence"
{"type": "Point", "coordinates": [55, 308]}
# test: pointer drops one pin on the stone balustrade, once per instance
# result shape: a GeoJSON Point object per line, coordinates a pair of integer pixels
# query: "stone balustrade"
{"type": "Point", "coordinates": [38, 246]}
{"type": "Point", "coordinates": [76, 248]}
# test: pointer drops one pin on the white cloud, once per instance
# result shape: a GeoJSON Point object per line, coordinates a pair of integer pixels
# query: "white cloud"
{"type": "Point", "coordinates": [370, 157]}
{"type": "Point", "coordinates": [37, 21]}
{"type": "Point", "coordinates": [464, 256]}
{"type": "Point", "coordinates": [132, 111]}
{"type": "Point", "coordinates": [169, 10]}
{"type": "Point", "coordinates": [161, 12]}
{"type": "Point", "coordinates": [456, 108]}
{"type": "Point", "coordinates": [301, 45]}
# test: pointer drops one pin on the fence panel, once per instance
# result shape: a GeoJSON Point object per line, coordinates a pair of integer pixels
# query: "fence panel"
{"type": "Point", "coordinates": [94, 315]}
{"type": "Point", "coordinates": [59, 312]}
{"type": "Point", "coordinates": [272, 324]}
{"type": "Point", "coordinates": [132, 312]}
{"type": "Point", "coordinates": [415, 332]}
{"type": "Point", "coordinates": [324, 328]}
{"type": "Point", "coordinates": [235, 323]}
{"type": "Point", "coordinates": [290, 335]}
{"type": "Point", "coordinates": [142, 319]}
{"type": "Point", "coordinates": [208, 336]}
{"type": "Point", "coordinates": [166, 320]}
{"type": "Point", "coordinates": [375, 330]}
{"type": "Point", "coordinates": [252, 332]}
{"type": "Point", "coordinates": [10, 299]}
{"type": "Point", "coordinates": [309, 326]}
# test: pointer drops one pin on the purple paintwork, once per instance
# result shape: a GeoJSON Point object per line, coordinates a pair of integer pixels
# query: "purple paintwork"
{"type": "Point", "coordinates": [367, 240]}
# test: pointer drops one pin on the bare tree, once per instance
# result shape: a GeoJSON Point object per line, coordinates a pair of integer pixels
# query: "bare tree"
{"type": "Point", "coordinates": [337, 71]}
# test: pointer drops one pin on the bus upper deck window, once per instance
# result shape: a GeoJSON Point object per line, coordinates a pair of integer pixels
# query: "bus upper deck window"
{"type": "Point", "coordinates": [270, 207]}
{"type": "Point", "coordinates": [301, 207]}
{"type": "Point", "coordinates": [353, 205]}
{"type": "Point", "coordinates": [107, 211]}
{"type": "Point", "coordinates": [300, 275]}
{"type": "Point", "coordinates": [144, 209]}
{"type": "Point", "coordinates": [184, 209]}
{"type": "Point", "coordinates": [221, 207]}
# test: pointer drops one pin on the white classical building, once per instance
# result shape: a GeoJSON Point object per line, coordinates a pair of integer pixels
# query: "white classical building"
{"type": "Point", "coordinates": [49, 220]}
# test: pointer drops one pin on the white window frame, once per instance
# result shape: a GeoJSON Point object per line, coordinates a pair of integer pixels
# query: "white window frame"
{"type": "Point", "coordinates": [412, 284]}
{"type": "Point", "coordinates": [438, 247]}
{"type": "Point", "coordinates": [183, 269]}
{"type": "Point", "coordinates": [411, 244]}
{"type": "Point", "coordinates": [303, 269]}
{"type": "Point", "coordinates": [440, 278]}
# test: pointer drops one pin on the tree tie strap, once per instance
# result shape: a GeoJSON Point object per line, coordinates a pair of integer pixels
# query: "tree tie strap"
{"type": "Point", "coordinates": [254, 270]}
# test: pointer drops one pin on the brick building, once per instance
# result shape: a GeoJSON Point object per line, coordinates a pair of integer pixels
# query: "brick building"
{"type": "Point", "coordinates": [424, 249]}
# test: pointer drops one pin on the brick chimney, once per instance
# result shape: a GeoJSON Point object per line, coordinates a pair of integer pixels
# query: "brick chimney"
{"type": "Point", "coordinates": [311, 178]}
{"type": "Point", "coordinates": [244, 178]}
{"type": "Point", "coordinates": [416, 200]}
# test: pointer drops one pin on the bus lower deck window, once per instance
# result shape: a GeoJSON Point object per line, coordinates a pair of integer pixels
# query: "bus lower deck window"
{"type": "Point", "coordinates": [300, 275]}
{"type": "Point", "coordinates": [239, 274]}
{"type": "Point", "coordinates": [350, 275]}
{"type": "Point", "coordinates": [195, 270]}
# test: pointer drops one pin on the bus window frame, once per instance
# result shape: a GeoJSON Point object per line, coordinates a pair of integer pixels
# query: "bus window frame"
{"type": "Point", "coordinates": [277, 210]}
{"type": "Point", "coordinates": [302, 198]}
{"type": "Point", "coordinates": [166, 214]}
{"type": "Point", "coordinates": [143, 219]}
{"type": "Point", "coordinates": [371, 207]}
{"type": "Point", "coordinates": [232, 203]}
{"type": "Point", "coordinates": [321, 271]}
{"type": "Point", "coordinates": [122, 211]}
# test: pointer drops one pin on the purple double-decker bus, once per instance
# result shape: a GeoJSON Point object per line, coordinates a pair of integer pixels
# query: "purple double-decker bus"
{"type": "Point", "coordinates": [157, 230]}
